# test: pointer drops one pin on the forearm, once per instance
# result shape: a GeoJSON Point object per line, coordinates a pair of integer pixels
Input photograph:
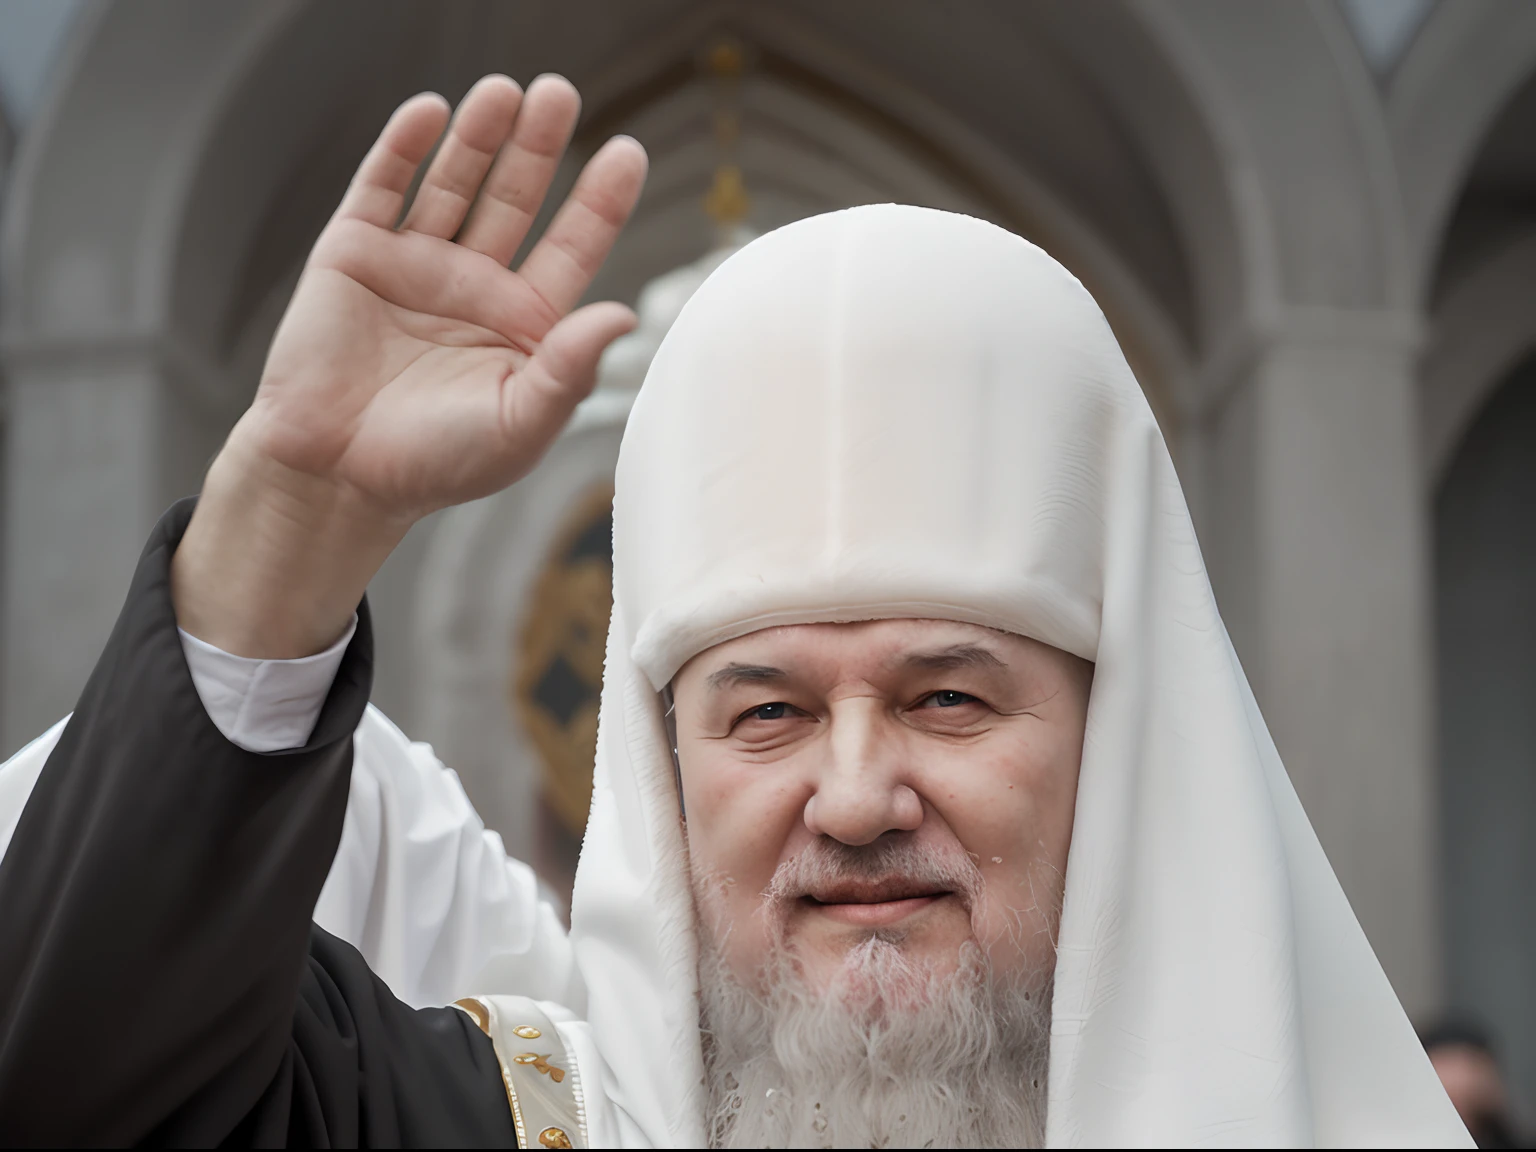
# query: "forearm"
{"type": "Point", "coordinates": [158, 890]}
{"type": "Point", "coordinates": [274, 560]}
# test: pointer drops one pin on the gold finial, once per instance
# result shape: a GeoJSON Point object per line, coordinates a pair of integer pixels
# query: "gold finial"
{"type": "Point", "coordinates": [727, 201]}
{"type": "Point", "coordinates": [726, 58]}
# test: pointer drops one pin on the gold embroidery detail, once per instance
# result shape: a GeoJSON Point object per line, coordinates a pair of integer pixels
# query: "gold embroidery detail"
{"type": "Point", "coordinates": [540, 1064]}
{"type": "Point", "coordinates": [477, 1012]}
{"type": "Point", "coordinates": [554, 1138]}
{"type": "Point", "coordinates": [527, 1032]}
{"type": "Point", "coordinates": [481, 1015]}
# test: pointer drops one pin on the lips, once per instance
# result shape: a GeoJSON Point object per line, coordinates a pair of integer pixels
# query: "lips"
{"type": "Point", "coordinates": [874, 891]}
{"type": "Point", "coordinates": [874, 904]}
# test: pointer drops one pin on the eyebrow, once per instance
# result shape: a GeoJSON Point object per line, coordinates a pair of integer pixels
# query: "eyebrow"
{"type": "Point", "coordinates": [937, 660]}
{"type": "Point", "coordinates": [734, 674]}
{"type": "Point", "coordinates": [955, 656]}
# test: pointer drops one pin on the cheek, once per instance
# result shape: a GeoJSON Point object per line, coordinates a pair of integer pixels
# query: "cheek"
{"type": "Point", "coordinates": [1015, 787]}
{"type": "Point", "coordinates": [743, 820]}
{"type": "Point", "coordinates": [1009, 800]}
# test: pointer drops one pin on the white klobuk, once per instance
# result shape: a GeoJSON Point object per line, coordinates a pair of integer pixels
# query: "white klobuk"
{"type": "Point", "coordinates": [897, 412]}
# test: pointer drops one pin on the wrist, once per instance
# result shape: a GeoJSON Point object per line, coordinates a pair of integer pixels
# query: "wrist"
{"type": "Point", "coordinates": [275, 561]}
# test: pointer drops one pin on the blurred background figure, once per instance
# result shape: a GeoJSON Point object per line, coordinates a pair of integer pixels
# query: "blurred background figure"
{"type": "Point", "coordinates": [1311, 225]}
{"type": "Point", "coordinates": [1464, 1057]}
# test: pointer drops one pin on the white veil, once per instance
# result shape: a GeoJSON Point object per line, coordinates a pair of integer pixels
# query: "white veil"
{"type": "Point", "coordinates": [893, 411]}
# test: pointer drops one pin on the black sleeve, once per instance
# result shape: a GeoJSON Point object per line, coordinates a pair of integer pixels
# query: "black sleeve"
{"type": "Point", "coordinates": [160, 979]}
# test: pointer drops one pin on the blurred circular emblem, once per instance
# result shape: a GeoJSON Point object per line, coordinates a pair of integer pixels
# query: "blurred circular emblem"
{"type": "Point", "coordinates": [559, 667]}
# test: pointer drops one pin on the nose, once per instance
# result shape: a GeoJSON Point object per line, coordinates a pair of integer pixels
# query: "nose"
{"type": "Point", "coordinates": [861, 792]}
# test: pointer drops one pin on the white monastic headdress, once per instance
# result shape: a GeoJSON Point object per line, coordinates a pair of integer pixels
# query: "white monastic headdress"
{"type": "Point", "coordinates": [891, 412]}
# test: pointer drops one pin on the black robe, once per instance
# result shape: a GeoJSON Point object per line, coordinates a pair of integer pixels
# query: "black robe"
{"type": "Point", "coordinates": [161, 980]}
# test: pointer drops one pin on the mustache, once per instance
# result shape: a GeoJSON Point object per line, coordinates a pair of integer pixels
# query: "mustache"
{"type": "Point", "coordinates": [893, 867]}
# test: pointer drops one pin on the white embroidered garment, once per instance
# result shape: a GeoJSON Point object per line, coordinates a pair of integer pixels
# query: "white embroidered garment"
{"type": "Point", "coordinates": [897, 412]}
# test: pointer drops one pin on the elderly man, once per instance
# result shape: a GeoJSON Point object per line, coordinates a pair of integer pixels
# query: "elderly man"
{"type": "Point", "coordinates": [931, 804]}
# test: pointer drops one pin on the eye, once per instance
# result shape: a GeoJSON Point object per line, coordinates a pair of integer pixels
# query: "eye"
{"type": "Point", "coordinates": [947, 698]}
{"type": "Point", "coordinates": [774, 711]}
{"type": "Point", "coordinates": [771, 727]}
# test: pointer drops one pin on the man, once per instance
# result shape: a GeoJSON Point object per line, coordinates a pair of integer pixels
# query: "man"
{"type": "Point", "coordinates": [931, 805]}
{"type": "Point", "coordinates": [1464, 1058]}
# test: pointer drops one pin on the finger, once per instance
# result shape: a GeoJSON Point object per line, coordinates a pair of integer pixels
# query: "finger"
{"type": "Point", "coordinates": [540, 398]}
{"type": "Point", "coordinates": [479, 128]}
{"type": "Point", "coordinates": [520, 177]}
{"type": "Point", "coordinates": [422, 274]}
{"type": "Point", "coordinates": [580, 236]}
{"type": "Point", "coordinates": [377, 192]}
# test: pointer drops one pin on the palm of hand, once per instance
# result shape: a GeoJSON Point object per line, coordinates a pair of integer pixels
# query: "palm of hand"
{"type": "Point", "coordinates": [413, 368]}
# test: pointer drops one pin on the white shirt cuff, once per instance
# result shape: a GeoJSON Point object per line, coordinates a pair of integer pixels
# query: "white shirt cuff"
{"type": "Point", "coordinates": [263, 705]}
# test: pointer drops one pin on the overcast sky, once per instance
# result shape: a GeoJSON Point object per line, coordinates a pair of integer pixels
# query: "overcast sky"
{"type": "Point", "coordinates": [30, 33]}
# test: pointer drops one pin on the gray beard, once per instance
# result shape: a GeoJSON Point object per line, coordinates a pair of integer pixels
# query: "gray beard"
{"type": "Point", "coordinates": [893, 1055]}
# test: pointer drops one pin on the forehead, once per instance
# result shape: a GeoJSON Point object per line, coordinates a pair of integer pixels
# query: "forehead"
{"type": "Point", "coordinates": [856, 648]}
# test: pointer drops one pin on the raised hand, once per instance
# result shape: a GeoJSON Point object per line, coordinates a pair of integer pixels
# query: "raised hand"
{"type": "Point", "coordinates": [412, 365]}
{"type": "Point", "coordinates": [412, 369]}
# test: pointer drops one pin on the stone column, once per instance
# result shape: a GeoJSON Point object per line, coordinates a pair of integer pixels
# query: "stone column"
{"type": "Point", "coordinates": [1320, 563]}
{"type": "Point", "coordinates": [98, 442]}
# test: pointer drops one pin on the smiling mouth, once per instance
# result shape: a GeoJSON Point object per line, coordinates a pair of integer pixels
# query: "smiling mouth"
{"type": "Point", "coordinates": [873, 905]}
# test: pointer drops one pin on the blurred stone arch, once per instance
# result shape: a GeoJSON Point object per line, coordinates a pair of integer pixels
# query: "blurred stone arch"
{"type": "Point", "coordinates": [1463, 139]}
{"type": "Point", "coordinates": [1221, 176]}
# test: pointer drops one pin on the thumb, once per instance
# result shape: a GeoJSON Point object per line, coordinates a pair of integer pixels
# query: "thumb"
{"type": "Point", "coordinates": [538, 399]}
